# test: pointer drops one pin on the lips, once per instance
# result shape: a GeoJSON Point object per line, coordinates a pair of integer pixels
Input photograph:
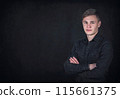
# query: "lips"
{"type": "Point", "coordinates": [88, 30]}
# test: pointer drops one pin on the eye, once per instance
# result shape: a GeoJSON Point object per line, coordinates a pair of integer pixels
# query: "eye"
{"type": "Point", "coordinates": [92, 22]}
{"type": "Point", "coordinates": [85, 22]}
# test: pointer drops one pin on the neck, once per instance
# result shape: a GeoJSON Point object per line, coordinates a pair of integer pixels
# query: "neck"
{"type": "Point", "coordinates": [90, 37]}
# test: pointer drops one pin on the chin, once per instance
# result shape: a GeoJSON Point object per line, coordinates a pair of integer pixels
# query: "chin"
{"type": "Point", "coordinates": [88, 33]}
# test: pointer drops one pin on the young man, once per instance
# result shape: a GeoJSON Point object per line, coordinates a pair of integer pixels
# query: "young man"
{"type": "Point", "coordinates": [91, 56]}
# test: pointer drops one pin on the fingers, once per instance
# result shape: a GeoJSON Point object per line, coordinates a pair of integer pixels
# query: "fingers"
{"type": "Point", "coordinates": [76, 60]}
{"type": "Point", "coordinates": [73, 60]}
{"type": "Point", "coordinates": [92, 66]}
{"type": "Point", "coordinates": [95, 64]}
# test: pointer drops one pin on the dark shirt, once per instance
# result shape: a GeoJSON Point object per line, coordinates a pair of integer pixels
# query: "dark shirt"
{"type": "Point", "coordinates": [98, 50]}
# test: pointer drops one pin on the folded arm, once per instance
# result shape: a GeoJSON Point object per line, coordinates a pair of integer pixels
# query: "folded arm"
{"type": "Point", "coordinates": [102, 63]}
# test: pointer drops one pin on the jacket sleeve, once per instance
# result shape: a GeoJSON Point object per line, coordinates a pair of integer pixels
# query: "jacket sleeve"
{"type": "Point", "coordinates": [102, 63]}
{"type": "Point", "coordinates": [71, 68]}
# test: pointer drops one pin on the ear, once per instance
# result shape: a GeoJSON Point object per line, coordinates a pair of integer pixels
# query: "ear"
{"type": "Point", "coordinates": [99, 23]}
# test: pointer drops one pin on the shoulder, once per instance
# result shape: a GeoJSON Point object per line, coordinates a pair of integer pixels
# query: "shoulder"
{"type": "Point", "coordinates": [106, 44]}
{"type": "Point", "coordinates": [106, 41]}
{"type": "Point", "coordinates": [81, 40]}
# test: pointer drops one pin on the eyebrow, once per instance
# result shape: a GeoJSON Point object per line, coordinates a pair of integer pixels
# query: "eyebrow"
{"type": "Point", "coordinates": [87, 21]}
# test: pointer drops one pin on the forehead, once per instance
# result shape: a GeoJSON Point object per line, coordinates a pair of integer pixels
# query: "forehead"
{"type": "Point", "coordinates": [90, 18]}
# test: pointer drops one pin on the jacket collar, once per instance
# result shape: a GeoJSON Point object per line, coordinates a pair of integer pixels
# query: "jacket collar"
{"type": "Point", "coordinates": [96, 38]}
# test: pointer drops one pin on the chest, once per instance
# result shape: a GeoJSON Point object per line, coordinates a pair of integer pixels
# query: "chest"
{"type": "Point", "coordinates": [89, 52]}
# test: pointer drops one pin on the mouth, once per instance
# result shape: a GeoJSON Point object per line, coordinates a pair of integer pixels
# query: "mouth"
{"type": "Point", "coordinates": [88, 30]}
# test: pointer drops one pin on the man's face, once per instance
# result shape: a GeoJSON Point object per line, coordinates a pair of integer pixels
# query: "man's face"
{"type": "Point", "coordinates": [91, 24]}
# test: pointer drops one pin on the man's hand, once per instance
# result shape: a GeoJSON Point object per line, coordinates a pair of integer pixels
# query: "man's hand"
{"type": "Point", "coordinates": [92, 66]}
{"type": "Point", "coordinates": [73, 60]}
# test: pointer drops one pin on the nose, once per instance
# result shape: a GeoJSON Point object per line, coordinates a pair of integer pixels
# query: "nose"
{"type": "Point", "coordinates": [88, 25]}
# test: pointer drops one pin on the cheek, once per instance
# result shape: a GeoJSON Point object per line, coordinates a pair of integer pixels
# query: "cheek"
{"type": "Point", "coordinates": [95, 27]}
{"type": "Point", "coordinates": [84, 26]}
